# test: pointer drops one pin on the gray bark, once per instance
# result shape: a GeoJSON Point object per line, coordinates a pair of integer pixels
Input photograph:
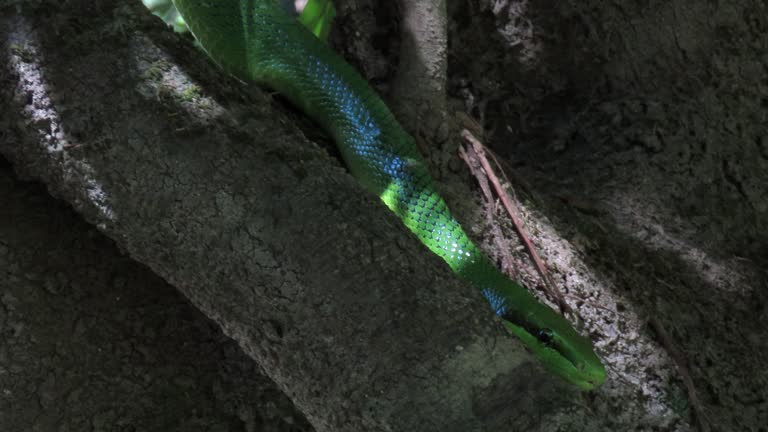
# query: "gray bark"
{"type": "Point", "coordinates": [640, 128]}
{"type": "Point", "coordinates": [418, 91]}
{"type": "Point", "coordinates": [90, 340]}
{"type": "Point", "coordinates": [211, 186]}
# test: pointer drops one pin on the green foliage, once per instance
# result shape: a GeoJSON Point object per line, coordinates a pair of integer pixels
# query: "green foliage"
{"type": "Point", "coordinates": [190, 93]}
{"type": "Point", "coordinates": [317, 17]}
{"type": "Point", "coordinates": [166, 11]}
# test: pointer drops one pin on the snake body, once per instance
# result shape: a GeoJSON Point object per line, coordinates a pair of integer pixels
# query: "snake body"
{"type": "Point", "coordinates": [257, 40]}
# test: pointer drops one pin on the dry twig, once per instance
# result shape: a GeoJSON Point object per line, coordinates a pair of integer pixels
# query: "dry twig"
{"type": "Point", "coordinates": [681, 361]}
{"type": "Point", "coordinates": [473, 162]}
{"type": "Point", "coordinates": [512, 211]}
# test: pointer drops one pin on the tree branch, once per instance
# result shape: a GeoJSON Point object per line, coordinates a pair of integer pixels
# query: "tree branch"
{"type": "Point", "coordinates": [216, 191]}
{"type": "Point", "coordinates": [419, 87]}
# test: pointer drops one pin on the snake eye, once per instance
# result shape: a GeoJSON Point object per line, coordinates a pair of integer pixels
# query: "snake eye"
{"type": "Point", "coordinates": [545, 336]}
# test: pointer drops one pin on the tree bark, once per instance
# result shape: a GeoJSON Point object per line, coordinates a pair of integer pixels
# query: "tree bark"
{"type": "Point", "coordinates": [640, 128]}
{"type": "Point", "coordinates": [211, 186]}
{"type": "Point", "coordinates": [91, 340]}
{"type": "Point", "coordinates": [419, 88]}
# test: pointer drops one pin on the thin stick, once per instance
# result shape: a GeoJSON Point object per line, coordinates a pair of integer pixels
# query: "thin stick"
{"type": "Point", "coordinates": [473, 162]}
{"type": "Point", "coordinates": [682, 367]}
{"type": "Point", "coordinates": [512, 211]}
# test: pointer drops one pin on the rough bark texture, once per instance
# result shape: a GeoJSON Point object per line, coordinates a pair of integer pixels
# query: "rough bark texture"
{"type": "Point", "coordinates": [361, 327]}
{"type": "Point", "coordinates": [401, 47]}
{"type": "Point", "coordinates": [419, 87]}
{"type": "Point", "coordinates": [636, 130]}
{"type": "Point", "coordinates": [92, 341]}
{"type": "Point", "coordinates": [639, 128]}
{"type": "Point", "coordinates": [366, 32]}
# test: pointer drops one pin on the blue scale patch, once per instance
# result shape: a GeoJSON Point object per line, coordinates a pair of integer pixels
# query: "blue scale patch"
{"type": "Point", "coordinates": [497, 302]}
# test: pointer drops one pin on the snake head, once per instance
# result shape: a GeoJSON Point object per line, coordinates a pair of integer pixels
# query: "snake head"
{"type": "Point", "coordinates": [547, 334]}
{"type": "Point", "coordinates": [559, 347]}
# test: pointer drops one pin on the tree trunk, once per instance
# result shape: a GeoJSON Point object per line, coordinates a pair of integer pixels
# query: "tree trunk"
{"type": "Point", "coordinates": [90, 340]}
{"type": "Point", "coordinates": [418, 92]}
{"type": "Point", "coordinates": [210, 184]}
{"type": "Point", "coordinates": [639, 129]}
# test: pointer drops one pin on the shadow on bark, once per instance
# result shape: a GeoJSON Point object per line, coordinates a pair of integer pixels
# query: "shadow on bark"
{"type": "Point", "coordinates": [359, 326]}
{"type": "Point", "coordinates": [639, 129]}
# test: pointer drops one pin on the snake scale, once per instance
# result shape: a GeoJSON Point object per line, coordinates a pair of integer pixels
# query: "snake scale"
{"type": "Point", "coordinates": [259, 41]}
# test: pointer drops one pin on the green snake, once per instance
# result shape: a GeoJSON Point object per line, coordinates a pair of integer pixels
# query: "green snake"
{"type": "Point", "coordinates": [260, 41]}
